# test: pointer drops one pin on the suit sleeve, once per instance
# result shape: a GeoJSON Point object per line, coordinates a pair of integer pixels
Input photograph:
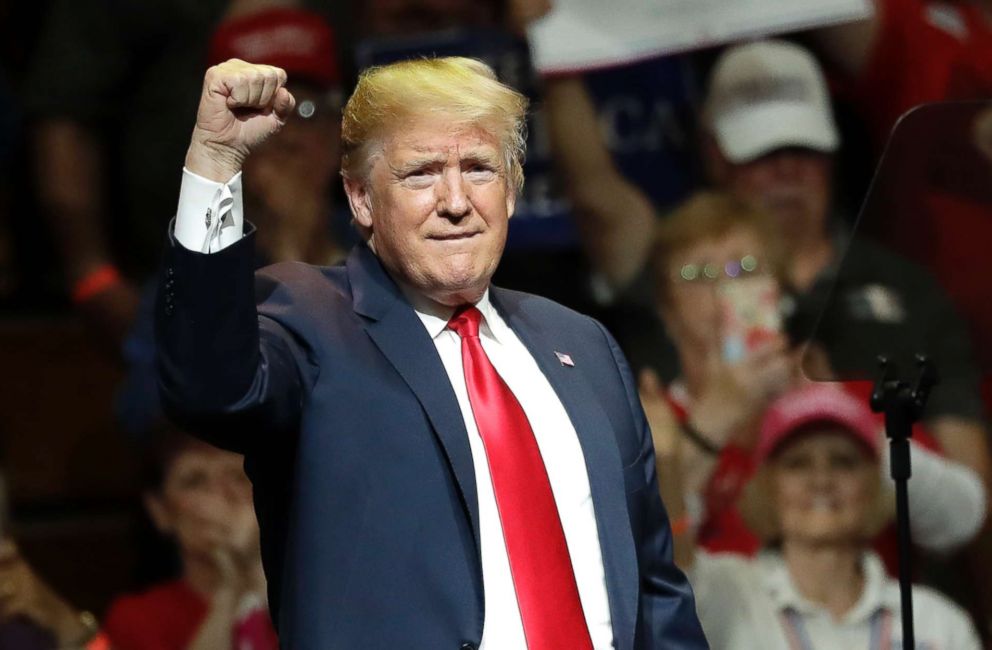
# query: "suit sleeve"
{"type": "Point", "coordinates": [667, 616]}
{"type": "Point", "coordinates": [226, 372]}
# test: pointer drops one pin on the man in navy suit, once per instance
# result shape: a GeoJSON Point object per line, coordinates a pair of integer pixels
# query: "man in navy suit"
{"type": "Point", "coordinates": [438, 463]}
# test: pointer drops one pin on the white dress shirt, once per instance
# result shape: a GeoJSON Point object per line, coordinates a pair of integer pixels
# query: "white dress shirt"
{"type": "Point", "coordinates": [556, 437]}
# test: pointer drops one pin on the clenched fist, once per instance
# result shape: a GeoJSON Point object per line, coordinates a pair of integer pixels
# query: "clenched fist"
{"type": "Point", "coordinates": [241, 105]}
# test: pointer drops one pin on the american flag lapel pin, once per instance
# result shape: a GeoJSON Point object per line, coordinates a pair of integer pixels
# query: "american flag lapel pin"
{"type": "Point", "coordinates": [565, 359]}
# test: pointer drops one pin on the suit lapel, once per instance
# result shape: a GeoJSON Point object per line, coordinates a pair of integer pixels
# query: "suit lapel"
{"type": "Point", "coordinates": [399, 334]}
{"type": "Point", "coordinates": [603, 464]}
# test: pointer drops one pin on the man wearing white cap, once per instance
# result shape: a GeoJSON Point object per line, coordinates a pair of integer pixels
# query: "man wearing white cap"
{"type": "Point", "coordinates": [770, 132]}
{"type": "Point", "coordinates": [767, 95]}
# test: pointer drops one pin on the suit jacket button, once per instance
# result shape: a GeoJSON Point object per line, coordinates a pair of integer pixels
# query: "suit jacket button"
{"type": "Point", "coordinates": [168, 310]}
{"type": "Point", "coordinates": [468, 646]}
{"type": "Point", "coordinates": [170, 272]}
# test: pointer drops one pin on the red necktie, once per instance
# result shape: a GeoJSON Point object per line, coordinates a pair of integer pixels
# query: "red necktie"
{"type": "Point", "coordinates": [535, 542]}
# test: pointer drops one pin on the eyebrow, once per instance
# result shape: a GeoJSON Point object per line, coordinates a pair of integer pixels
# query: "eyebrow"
{"type": "Point", "coordinates": [417, 163]}
{"type": "Point", "coordinates": [482, 157]}
{"type": "Point", "coordinates": [475, 156]}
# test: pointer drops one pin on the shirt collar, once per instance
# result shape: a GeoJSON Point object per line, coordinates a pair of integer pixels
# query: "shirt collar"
{"type": "Point", "coordinates": [435, 317]}
{"type": "Point", "coordinates": [784, 594]}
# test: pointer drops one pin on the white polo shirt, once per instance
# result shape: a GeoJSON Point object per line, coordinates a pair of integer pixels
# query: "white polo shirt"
{"type": "Point", "coordinates": [745, 604]}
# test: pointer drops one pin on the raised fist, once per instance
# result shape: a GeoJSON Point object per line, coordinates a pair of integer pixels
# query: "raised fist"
{"type": "Point", "coordinates": [241, 105]}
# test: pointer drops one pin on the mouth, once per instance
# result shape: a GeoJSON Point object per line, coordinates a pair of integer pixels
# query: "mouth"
{"type": "Point", "coordinates": [823, 504]}
{"type": "Point", "coordinates": [461, 236]}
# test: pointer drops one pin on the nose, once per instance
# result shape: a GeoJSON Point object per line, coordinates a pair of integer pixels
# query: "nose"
{"type": "Point", "coordinates": [452, 199]}
{"type": "Point", "coordinates": [788, 164]}
{"type": "Point", "coordinates": [822, 476]}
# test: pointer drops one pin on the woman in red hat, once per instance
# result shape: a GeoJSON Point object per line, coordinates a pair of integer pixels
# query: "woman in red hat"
{"type": "Point", "coordinates": [816, 501]}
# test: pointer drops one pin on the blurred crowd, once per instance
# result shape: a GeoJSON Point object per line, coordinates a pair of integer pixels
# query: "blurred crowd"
{"type": "Point", "coordinates": [701, 205]}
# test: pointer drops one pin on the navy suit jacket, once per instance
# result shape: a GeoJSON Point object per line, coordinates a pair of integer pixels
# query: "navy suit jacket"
{"type": "Point", "coordinates": [327, 381]}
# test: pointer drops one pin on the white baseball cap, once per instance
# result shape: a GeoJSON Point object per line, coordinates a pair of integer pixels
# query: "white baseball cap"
{"type": "Point", "coordinates": [767, 95]}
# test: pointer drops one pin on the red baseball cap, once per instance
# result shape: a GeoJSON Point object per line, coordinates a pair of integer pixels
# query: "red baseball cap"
{"type": "Point", "coordinates": [298, 41]}
{"type": "Point", "coordinates": [816, 403]}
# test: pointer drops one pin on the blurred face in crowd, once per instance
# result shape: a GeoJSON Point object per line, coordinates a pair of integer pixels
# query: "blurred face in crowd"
{"type": "Point", "coordinates": [403, 17]}
{"type": "Point", "coordinates": [304, 156]}
{"type": "Point", "coordinates": [824, 485]}
{"type": "Point", "coordinates": [437, 204]}
{"type": "Point", "coordinates": [793, 184]}
{"type": "Point", "coordinates": [692, 307]}
{"type": "Point", "coordinates": [205, 502]}
{"type": "Point", "coordinates": [288, 179]}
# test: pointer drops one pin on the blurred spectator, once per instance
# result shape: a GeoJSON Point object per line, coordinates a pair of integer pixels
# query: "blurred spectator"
{"type": "Point", "coordinates": [200, 497]}
{"type": "Point", "coordinates": [109, 96]}
{"type": "Point", "coordinates": [35, 617]}
{"type": "Point", "coordinates": [816, 501]}
{"type": "Point", "coordinates": [402, 18]}
{"type": "Point", "coordinates": [720, 272]}
{"type": "Point", "coordinates": [769, 139]}
{"type": "Point", "coordinates": [32, 615]}
{"type": "Point", "coordinates": [911, 52]}
{"type": "Point", "coordinates": [288, 182]}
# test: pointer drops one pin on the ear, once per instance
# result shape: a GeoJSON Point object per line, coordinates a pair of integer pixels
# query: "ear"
{"type": "Point", "coordinates": [511, 200]}
{"type": "Point", "coordinates": [360, 201]}
{"type": "Point", "coordinates": [159, 513]}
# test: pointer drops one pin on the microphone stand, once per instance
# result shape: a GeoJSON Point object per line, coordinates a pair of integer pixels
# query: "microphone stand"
{"type": "Point", "coordinates": [903, 404]}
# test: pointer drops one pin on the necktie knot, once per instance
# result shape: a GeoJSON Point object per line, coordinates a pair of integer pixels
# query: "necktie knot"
{"type": "Point", "coordinates": [466, 321]}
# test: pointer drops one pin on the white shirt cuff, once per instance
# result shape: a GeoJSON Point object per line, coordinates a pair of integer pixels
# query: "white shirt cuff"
{"type": "Point", "coordinates": [210, 216]}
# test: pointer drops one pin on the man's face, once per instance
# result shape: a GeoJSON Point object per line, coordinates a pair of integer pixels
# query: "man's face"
{"type": "Point", "coordinates": [792, 184]}
{"type": "Point", "coordinates": [437, 205]}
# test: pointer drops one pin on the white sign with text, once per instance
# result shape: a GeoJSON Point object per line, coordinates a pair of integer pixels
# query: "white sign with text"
{"type": "Point", "coordinates": [589, 34]}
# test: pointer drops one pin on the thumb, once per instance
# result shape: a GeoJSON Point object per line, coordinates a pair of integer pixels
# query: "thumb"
{"type": "Point", "coordinates": [283, 104]}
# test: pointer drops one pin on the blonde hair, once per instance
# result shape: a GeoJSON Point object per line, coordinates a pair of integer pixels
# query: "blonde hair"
{"type": "Point", "coordinates": [465, 92]}
{"type": "Point", "coordinates": [710, 215]}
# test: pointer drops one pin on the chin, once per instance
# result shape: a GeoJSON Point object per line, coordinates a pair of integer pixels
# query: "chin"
{"type": "Point", "coordinates": [826, 533]}
{"type": "Point", "coordinates": [456, 294]}
{"type": "Point", "coordinates": [465, 281]}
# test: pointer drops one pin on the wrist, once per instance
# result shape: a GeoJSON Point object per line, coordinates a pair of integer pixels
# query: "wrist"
{"type": "Point", "coordinates": [214, 162]}
{"type": "Point", "coordinates": [74, 629]}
